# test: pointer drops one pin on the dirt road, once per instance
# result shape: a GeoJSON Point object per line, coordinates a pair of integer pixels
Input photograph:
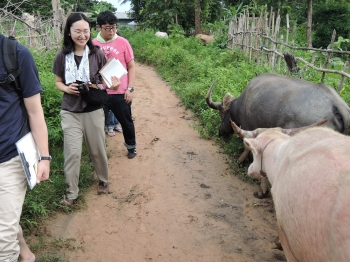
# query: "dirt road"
{"type": "Point", "coordinates": [176, 201]}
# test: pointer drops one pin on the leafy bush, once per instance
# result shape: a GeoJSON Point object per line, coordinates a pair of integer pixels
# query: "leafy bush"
{"type": "Point", "coordinates": [51, 98]}
{"type": "Point", "coordinates": [328, 17]}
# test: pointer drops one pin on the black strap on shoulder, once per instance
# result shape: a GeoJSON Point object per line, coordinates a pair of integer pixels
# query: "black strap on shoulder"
{"type": "Point", "coordinates": [9, 55]}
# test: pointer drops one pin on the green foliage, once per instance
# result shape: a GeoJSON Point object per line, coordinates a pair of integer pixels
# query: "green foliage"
{"type": "Point", "coordinates": [176, 31]}
{"type": "Point", "coordinates": [51, 98]}
{"type": "Point", "coordinates": [329, 17]}
{"type": "Point", "coordinates": [158, 15]}
{"type": "Point", "coordinates": [98, 8]}
{"type": "Point", "coordinates": [44, 7]}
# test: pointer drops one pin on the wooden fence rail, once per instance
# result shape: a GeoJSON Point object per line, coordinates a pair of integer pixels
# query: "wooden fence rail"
{"type": "Point", "coordinates": [32, 30]}
{"type": "Point", "coordinates": [261, 39]}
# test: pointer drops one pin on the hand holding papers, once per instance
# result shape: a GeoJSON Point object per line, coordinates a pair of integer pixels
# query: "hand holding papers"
{"type": "Point", "coordinates": [29, 155]}
{"type": "Point", "coordinates": [112, 68]}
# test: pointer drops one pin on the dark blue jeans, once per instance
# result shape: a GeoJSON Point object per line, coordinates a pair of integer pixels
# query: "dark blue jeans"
{"type": "Point", "coordinates": [111, 121]}
{"type": "Point", "coordinates": [122, 112]}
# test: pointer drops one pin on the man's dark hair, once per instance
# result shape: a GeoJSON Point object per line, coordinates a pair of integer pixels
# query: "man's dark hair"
{"type": "Point", "coordinates": [107, 17]}
{"type": "Point", "coordinates": [68, 43]}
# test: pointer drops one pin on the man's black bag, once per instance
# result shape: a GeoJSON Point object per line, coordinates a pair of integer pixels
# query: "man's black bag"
{"type": "Point", "coordinates": [9, 56]}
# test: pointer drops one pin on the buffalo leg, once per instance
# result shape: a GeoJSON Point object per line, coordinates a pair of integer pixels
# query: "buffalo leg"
{"type": "Point", "coordinates": [243, 155]}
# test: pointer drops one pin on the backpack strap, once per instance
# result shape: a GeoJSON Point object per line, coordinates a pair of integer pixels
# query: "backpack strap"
{"type": "Point", "coordinates": [9, 55]}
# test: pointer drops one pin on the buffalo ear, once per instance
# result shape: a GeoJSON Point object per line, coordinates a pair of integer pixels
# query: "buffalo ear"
{"type": "Point", "coordinates": [226, 102]}
{"type": "Point", "coordinates": [252, 144]}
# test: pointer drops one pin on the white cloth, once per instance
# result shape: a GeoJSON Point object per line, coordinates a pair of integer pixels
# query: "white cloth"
{"type": "Point", "coordinates": [74, 73]}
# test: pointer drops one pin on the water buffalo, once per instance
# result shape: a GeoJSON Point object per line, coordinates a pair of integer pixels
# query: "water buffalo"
{"type": "Point", "coordinates": [309, 172]}
{"type": "Point", "coordinates": [205, 39]}
{"type": "Point", "coordinates": [272, 100]}
{"type": "Point", "coordinates": [161, 34]}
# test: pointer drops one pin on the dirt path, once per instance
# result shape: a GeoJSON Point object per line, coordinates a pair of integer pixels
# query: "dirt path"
{"type": "Point", "coordinates": [176, 201]}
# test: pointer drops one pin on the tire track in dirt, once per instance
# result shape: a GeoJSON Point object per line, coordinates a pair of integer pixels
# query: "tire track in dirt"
{"type": "Point", "coordinates": [176, 201]}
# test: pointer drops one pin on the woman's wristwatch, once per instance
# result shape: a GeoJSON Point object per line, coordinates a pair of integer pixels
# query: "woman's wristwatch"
{"type": "Point", "coordinates": [131, 89]}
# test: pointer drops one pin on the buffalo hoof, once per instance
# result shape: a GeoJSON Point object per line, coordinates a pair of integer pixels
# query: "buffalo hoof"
{"type": "Point", "coordinates": [278, 244]}
{"type": "Point", "coordinates": [264, 184]}
{"type": "Point", "coordinates": [261, 195]}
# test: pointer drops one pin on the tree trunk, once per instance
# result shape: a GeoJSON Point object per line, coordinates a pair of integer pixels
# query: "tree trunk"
{"type": "Point", "coordinates": [309, 24]}
{"type": "Point", "coordinates": [197, 17]}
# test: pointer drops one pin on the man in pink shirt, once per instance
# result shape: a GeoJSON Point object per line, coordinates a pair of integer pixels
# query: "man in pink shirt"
{"type": "Point", "coordinates": [119, 100]}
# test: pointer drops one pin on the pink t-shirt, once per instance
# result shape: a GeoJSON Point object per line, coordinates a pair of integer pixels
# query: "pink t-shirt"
{"type": "Point", "coordinates": [120, 49]}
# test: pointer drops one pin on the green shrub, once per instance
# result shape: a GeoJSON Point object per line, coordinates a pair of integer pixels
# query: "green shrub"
{"type": "Point", "coordinates": [328, 17]}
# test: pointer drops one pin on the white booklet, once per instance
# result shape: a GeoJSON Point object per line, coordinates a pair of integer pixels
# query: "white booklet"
{"type": "Point", "coordinates": [29, 154]}
{"type": "Point", "coordinates": [112, 68]}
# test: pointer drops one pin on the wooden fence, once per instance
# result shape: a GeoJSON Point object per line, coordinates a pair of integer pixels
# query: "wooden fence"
{"type": "Point", "coordinates": [33, 31]}
{"type": "Point", "coordinates": [261, 39]}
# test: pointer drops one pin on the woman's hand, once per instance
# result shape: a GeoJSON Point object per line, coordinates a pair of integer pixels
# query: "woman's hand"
{"type": "Point", "coordinates": [73, 89]}
{"type": "Point", "coordinates": [115, 83]}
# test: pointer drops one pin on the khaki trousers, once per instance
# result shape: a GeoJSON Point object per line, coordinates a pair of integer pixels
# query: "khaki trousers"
{"type": "Point", "coordinates": [13, 186]}
{"type": "Point", "coordinates": [89, 126]}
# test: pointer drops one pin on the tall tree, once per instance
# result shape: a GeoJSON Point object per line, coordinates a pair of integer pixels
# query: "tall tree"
{"type": "Point", "coordinates": [197, 17]}
{"type": "Point", "coordinates": [309, 24]}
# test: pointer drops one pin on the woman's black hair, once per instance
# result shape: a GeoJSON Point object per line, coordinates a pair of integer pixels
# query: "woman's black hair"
{"type": "Point", "coordinates": [107, 17]}
{"type": "Point", "coordinates": [68, 44]}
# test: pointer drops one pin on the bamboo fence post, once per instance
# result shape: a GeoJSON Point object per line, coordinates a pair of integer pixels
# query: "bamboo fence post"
{"type": "Point", "coordinates": [251, 39]}
{"type": "Point", "coordinates": [11, 29]}
{"type": "Point", "coordinates": [258, 40]}
{"type": "Point", "coordinates": [246, 28]}
{"type": "Point", "coordinates": [267, 32]}
{"type": "Point", "coordinates": [342, 78]}
{"type": "Point", "coordinates": [229, 35]}
{"type": "Point", "coordinates": [329, 54]}
{"type": "Point", "coordinates": [274, 45]}
{"type": "Point", "coordinates": [279, 58]}
{"type": "Point", "coordinates": [287, 37]}
{"type": "Point", "coordinates": [244, 40]}
{"type": "Point", "coordinates": [30, 20]}
{"type": "Point", "coordinates": [293, 35]}
{"type": "Point", "coordinates": [240, 30]}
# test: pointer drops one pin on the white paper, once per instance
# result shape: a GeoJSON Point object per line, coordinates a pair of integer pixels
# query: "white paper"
{"type": "Point", "coordinates": [29, 154]}
{"type": "Point", "coordinates": [112, 68]}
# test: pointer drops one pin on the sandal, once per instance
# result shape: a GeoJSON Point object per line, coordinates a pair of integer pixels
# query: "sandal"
{"type": "Point", "coordinates": [110, 132]}
{"type": "Point", "coordinates": [67, 202]}
{"type": "Point", "coordinates": [118, 128]}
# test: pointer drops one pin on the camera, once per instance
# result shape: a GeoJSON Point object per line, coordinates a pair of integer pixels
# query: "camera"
{"type": "Point", "coordinates": [82, 86]}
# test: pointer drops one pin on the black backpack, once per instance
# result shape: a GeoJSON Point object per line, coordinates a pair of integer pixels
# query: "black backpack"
{"type": "Point", "coordinates": [9, 56]}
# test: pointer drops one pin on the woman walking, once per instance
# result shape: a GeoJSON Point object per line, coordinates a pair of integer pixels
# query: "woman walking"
{"type": "Point", "coordinates": [80, 61]}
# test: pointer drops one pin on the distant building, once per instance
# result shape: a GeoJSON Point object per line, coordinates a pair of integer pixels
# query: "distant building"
{"type": "Point", "coordinates": [125, 20]}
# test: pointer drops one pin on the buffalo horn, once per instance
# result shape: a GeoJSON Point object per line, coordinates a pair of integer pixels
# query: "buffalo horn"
{"type": "Point", "coordinates": [293, 131]}
{"type": "Point", "coordinates": [210, 103]}
{"type": "Point", "coordinates": [243, 133]}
